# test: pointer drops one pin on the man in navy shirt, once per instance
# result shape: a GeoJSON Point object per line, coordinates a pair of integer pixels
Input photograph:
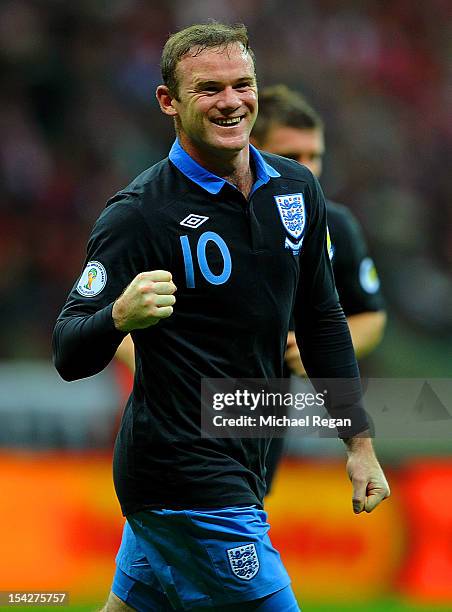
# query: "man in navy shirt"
{"type": "Point", "coordinates": [243, 238]}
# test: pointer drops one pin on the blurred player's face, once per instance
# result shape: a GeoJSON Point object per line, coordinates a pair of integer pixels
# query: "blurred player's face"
{"type": "Point", "coordinates": [217, 101]}
{"type": "Point", "coordinates": [305, 146]}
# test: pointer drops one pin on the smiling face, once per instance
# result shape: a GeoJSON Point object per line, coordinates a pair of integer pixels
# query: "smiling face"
{"type": "Point", "coordinates": [216, 103]}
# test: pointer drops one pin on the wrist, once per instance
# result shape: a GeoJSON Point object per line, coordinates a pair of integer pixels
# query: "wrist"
{"type": "Point", "coordinates": [117, 313]}
{"type": "Point", "coordinates": [360, 442]}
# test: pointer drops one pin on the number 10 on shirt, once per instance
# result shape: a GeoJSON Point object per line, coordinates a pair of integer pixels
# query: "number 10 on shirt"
{"type": "Point", "coordinates": [214, 279]}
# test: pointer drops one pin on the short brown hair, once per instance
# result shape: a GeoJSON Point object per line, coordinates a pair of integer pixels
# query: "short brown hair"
{"type": "Point", "coordinates": [199, 37]}
{"type": "Point", "coordinates": [279, 105]}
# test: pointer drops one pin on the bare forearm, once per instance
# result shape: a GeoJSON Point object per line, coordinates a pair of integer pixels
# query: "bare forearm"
{"type": "Point", "coordinates": [126, 353]}
{"type": "Point", "coordinates": [366, 329]}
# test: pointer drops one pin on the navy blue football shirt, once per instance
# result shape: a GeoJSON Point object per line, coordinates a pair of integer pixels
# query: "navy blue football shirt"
{"type": "Point", "coordinates": [241, 266]}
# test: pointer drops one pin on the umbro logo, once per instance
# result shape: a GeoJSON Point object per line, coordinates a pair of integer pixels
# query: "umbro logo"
{"type": "Point", "coordinates": [193, 221]}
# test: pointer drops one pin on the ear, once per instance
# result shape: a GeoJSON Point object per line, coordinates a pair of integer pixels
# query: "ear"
{"type": "Point", "coordinates": [165, 100]}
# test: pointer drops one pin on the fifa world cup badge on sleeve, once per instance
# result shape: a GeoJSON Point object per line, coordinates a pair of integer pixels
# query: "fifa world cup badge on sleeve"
{"type": "Point", "coordinates": [293, 216]}
{"type": "Point", "coordinates": [244, 561]}
{"type": "Point", "coordinates": [92, 280]}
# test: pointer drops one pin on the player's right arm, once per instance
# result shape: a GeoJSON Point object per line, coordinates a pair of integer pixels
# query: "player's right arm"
{"type": "Point", "coordinates": [115, 294]}
{"type": "Point", "coordinates": [147, 299]}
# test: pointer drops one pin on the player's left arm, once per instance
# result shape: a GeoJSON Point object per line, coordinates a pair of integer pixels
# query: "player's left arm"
{"type": "Point", "coordinates": [328, 355]}
{"type": "Point", "coordinates": [370, 486]}
{"type": "Point", "coordinates": [366, 329]}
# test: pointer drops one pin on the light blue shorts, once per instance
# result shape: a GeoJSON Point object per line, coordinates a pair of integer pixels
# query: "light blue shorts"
{"type": "Point", "coordinates": [201, 559]}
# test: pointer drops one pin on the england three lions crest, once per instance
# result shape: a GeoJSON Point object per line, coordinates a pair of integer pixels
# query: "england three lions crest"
{"type": "Point", "coordinates": [292, 212]}
{"type": "Point", "coordinates": [244, 561]}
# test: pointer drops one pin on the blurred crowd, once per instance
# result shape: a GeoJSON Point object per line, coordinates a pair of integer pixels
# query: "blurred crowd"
{"type": "Point", "coordinates": [79, 120]}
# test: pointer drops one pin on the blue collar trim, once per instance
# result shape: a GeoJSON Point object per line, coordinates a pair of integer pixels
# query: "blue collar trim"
{"type": "Point", "coordinates": [212, 183]}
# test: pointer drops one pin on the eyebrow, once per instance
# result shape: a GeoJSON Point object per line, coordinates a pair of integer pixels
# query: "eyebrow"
{"type": "Point", "coordinates": [201, 84]}
{"type": "Point", "coordinates": [210, 82]}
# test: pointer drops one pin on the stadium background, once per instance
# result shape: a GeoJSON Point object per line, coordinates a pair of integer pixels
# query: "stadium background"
{"type": "Point", "coordinates": [78, 120]}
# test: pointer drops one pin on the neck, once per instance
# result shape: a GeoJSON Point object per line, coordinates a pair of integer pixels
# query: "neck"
{"type": "Point", "coordinates": [233, 166]}
{"type": "Point", "coordinates": [243, 180]}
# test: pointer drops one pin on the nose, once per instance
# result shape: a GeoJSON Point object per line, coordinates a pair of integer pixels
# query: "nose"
{"type": "Point", "coordinates": [229, 100]}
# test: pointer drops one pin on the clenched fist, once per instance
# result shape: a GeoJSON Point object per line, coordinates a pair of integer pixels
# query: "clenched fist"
{"type": "Point", "coordinates": [370, 486]}
{"type": "Point", "coordinates": [147, 299]}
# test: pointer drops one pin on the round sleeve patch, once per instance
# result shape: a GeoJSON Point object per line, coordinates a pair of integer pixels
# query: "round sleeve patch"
{"type": "Point", "coordinates": [92, 280]}
{"type": "Point", "coordinates": [368, 276]}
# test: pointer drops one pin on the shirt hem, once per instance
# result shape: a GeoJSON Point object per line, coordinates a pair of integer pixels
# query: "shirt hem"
{"type": "Point", "coordinates": [214, 503]}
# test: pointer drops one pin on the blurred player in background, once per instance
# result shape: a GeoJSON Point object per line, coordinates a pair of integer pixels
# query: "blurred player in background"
{"type": "Point", "coordinates": [193, 502]}
{"type": "Point", "coordinates": [287, 125]}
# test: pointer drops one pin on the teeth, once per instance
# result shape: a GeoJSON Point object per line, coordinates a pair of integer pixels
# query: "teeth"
{"type": "Point", "coordinates": [233, 121]}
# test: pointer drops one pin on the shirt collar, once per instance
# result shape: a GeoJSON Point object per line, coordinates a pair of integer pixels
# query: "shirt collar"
{"type": "Point", "coordinates": [212, 183]}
